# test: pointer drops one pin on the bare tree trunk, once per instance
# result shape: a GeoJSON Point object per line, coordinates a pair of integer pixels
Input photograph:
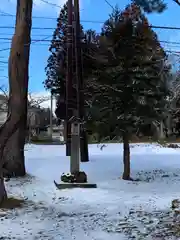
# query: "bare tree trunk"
{"type": "Point", "coordinates": [169, 124]}
{"type": "Point", "coordinates": [126, 157]}
{"type": "Point", "coordinates": [84, 146]}
{"type": "Point", "coordinates": [68, 139]}
{"type": "Point", "coordinates": [3, 193]}
{"type": "Point", "coordinates": [161, 131]}
{"type": "Point", "coordinates": [13, 156]}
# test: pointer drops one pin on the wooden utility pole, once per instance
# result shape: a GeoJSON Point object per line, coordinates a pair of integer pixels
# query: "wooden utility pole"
{"type": "Point", "coordinates": [80, 85]}
{"type": "Point", "coordinates": [75, 121]}
{"type": "Point", "coordinates": [69, 79]}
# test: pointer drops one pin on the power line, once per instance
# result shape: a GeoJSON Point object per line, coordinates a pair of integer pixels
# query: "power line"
{"type": "Point", "coordinates": [32, 42]}
{"type": "Point", "coordinates": [37, 44]}
{"type": "Point", "coordinates": [109, 4]}
{"type": "Point", "coordinates": [52, 28]}
{"type": "Point", "coordinates": [52, 4]}
{"type": "Point", "coordinates": [49, 40]}
{"type": "Point", "coordinates": [4, 49]}
{"type": "Point", "coordinates": [45, 35]}
{"type": "Point", "coordinates": [35, 28]}
{"type": "Point", "coordinates": [170, 42]}
{"type": "Point", "coordinates": [35, 35]}
{"type": "Point", "coordinates": [4, 14]}
{"type": "Point", "coordinates": [85, 21]}
{"type": "Point", "coordinates": [36, 17]}
{"type": "Point", "coordinates": [47, 45]}
{"type": "Point", "coordinates": [43, 1]}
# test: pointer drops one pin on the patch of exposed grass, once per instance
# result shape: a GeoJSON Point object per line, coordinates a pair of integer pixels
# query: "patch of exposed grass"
{"type": "Point", "coordinates": [11, 203]}
{"type": "Point", "coordinates": [172, 145]}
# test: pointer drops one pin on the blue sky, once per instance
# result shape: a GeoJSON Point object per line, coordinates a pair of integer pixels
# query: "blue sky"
{"type": "Point", "coordinates": [91, 10]}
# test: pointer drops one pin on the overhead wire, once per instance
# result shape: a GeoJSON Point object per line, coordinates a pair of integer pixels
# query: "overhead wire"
{"type": "Point", "coordinates": [40, 42]}
{"type": "Point", "coordinates": [84, 20]}
{"type": "Point", "coordinates": [50, 40]}
{"type": "Point", "coordinates": [109, 4]}
{"type": "Point", "coordinates": [52, 28]}
{"type": "Point", "coordinates": [32, 42]}
{"type": "Point", "coordinates": [46, 42]}
{"type": "Point", "coordinates": [5, 14]}
{"type": "Point", "coordinates": [52, 4]}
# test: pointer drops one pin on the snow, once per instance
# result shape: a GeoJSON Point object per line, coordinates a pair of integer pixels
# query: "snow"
{"type": "Point", "coordinates": [116, 210]}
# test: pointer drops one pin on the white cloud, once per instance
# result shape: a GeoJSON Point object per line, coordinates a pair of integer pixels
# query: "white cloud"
{"type": "Point", "coordinates": [45, 97]}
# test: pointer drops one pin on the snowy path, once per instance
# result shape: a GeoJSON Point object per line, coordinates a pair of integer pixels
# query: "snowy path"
{"type": "Point", "coordinates": [116, 210]}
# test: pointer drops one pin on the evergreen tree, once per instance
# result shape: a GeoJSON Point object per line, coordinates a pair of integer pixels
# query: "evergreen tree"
{"type": "Point", "coordinates": [132, 88]}
{"type": "Point", "coordinates": [57, 62]}
{"type": "Point", "coordinates": [158, 6]}
{"type": "Point", "coordinates": [150, 6]}
{"type": "Point", "coordinates": [56, 65]}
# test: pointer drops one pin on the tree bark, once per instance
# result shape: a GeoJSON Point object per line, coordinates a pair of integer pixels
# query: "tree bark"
{"type": "Point", "coordinates": [14, 163]}
{"type": "Point", "coordinates": [169, 124]}
{"type": "Point", "coordinates": [6, 131]}
{"type": "Point", "coordinates": [3, 193]}
{"type": "Point", "coordinates": [68, 139]}
{"type": "Point", "coordinates": [84, 146]}
{"type": "Point", "coordinates": [13, 156]}
{"type": "Point", "coordinates": [126, 157]}
{"type": "Point", "coordinates": [161, 131]}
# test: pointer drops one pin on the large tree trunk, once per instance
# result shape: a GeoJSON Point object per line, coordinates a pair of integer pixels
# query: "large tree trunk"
{"type": "Point", "coordinates": [14, 163]}
{"type": "Point", "coordinates": [126, 157]}
{"type": "Point", "coordinates": [6, 131]}
{"type": "Point", "coordinates": [18, 81]}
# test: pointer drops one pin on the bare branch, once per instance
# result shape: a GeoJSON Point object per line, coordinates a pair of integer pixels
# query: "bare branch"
{"type": "Point", "coordinates": [4, 91]}
{"type": "Point", "coordinates": [37, 101]}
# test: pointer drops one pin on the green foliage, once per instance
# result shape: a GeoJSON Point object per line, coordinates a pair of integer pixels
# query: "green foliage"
{"type": "Point", "coordinates": [124, 71]}
{"type": "Point", "coordinates": [57, 62]}
{"type": "Point", "coordinates": [132, 89]}
{"type": "Point", "coordinates": [150, 6]}
{"type": "Point", "coordinates": [56, 65]}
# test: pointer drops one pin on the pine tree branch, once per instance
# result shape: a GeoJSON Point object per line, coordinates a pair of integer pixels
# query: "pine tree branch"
{"type": "Point", "coordinates": [177, 1]}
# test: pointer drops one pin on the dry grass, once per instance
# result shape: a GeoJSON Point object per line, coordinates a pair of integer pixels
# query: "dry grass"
{"type": "Point", "coordinates": [135, 139]}
{"type": "Point", "coordinates": [11, 203]}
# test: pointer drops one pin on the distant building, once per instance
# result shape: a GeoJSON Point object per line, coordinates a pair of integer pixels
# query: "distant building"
{"type": "Point", "coordinates": [33, 119]}
{"type": "Point", "coordinates": [3, 109]}
{"type": "Point", "coordinates": [38, 120]}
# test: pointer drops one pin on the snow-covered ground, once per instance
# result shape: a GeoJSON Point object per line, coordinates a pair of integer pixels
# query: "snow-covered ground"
{"type": "Point", "coordinates": [116, 210]}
